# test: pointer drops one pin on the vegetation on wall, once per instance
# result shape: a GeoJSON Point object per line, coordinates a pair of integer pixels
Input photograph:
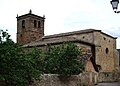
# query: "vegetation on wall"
{"type": "Point", "coordinates": [64, 59]}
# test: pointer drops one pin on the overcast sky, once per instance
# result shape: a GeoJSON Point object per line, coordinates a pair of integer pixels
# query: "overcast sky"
{"type": "Point", "coordinates": [63, 15]}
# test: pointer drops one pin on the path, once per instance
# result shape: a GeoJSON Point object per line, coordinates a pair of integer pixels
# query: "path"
{"type": "Point", "coordinates": [109, 84]}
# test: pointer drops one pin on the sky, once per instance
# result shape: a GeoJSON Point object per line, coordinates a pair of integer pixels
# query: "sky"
{"type": "Point", "coordinates": [63, 15]}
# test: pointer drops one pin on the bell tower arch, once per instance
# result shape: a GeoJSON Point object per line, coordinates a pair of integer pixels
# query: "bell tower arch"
{"type": "Point", "coordinates": [30, 27]}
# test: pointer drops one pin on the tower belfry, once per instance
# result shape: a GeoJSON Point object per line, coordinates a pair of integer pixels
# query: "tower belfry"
{"type": "Point", "coordinates": [30, 27]}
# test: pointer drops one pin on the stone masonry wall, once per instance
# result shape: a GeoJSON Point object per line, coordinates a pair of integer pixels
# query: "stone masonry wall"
{"type": "Point", "coordinates": [105, 55]}
{"type": "Point", "coordinates": [84, 79]}
{"type": "Point", "coordinates": [109, 77]}
{"type": "Point", "coordinates": [29, 32]}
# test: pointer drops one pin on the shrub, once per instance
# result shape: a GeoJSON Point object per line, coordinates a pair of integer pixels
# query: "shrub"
{"type": "Point", "coordinates": [63, 59]}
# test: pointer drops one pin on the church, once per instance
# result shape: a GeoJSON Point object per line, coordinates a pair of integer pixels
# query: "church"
{"type": "Point", "coordinates": [98, 48]}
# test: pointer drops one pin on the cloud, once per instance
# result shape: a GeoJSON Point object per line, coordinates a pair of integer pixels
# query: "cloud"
{"type": "Point", "coordinates": [62, 15]}
{"type": "Point", "coordinates": [114, 31]}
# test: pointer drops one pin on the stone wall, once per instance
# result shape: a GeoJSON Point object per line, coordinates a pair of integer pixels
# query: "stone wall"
{"type": "Point", "coordinates": [105, 52]}
{"type": "Point", "coordinates": [84, 79]}
{"type": "Point", "coordinates": [109, 77]}
{"type": "Point", "coordinates": [32, 30]}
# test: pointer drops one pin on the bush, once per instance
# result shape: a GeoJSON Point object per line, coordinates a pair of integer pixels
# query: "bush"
{"type": "Point", "coordinates": [63, 59]}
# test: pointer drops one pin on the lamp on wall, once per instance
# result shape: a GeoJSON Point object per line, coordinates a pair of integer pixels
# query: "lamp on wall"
{"type": "Point", "coordinates": [114, 4]}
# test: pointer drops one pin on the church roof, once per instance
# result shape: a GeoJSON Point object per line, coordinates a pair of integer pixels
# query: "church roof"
{"type": "Point", "coordinates": [52, 42]}
{"type": "Point", "coordinates": [63, 37]}
{"type": "Point", "coordinates": [70, 33]}
{"type": "Point", "coordinates": [77, 32]}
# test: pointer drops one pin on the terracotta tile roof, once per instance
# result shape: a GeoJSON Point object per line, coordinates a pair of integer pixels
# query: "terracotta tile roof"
{"type": "Point", "coordinates": [61, 40]}
{"type": "Point", "coordinates": [76, 32]}
{"type": "Point", "coordinates": [70, 33]}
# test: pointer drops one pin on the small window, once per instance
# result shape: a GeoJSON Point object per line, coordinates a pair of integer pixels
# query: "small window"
{"type": "Point", "coordinates": [35, 23]}
{"type": "Point", "coordinates": [20, 35]}
{"type": "Point", "coordinates": [104, 38]}
{"type": "Point", "coordinates": [38, 24]}
{"type": "Point", "coordinates": [23, 23]}
{"type": "Point", "coordinates": [106, 50]}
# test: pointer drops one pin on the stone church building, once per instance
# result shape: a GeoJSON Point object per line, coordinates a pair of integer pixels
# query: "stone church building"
{"type": "Point", "coordinates": [98, 48]}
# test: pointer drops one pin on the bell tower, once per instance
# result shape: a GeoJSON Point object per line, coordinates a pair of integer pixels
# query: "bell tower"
{"type": "Point", "coordinates": [30, 27]}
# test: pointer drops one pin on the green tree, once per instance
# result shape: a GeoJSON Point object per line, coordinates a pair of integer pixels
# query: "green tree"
{"type": "Point", "coordinates": [63, 59]}
{"type": "Point", "coordinates": [18, 68]}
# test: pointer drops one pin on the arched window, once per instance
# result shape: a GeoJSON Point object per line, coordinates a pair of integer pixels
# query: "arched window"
{"type": "Point", "coordinates": [23, 23]}
{"type": "Point", "coordinates": [35, 23]}
{"type": "Point", "coordinates": [38, 24]}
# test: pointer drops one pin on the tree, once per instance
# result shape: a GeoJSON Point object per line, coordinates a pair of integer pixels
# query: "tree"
{"type": "Point", "coordinates": [63, 59]}
{"type": "Point", "coordinates": [18, 68]}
